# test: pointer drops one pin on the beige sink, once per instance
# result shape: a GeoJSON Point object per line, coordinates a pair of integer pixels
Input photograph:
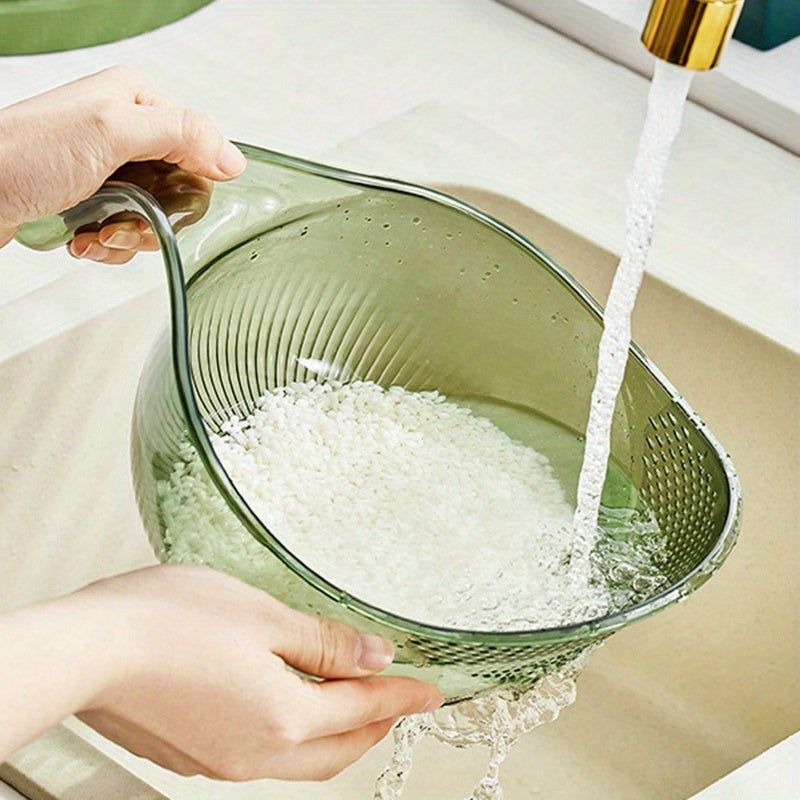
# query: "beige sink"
{"type": "Point", "coordinates": [665, 708]}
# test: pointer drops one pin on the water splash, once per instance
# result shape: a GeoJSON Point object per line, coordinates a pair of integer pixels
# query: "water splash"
{"type": "Point", "coordinates": [666, 101]}
{"type": "Point", "coordinates": [495, 719]}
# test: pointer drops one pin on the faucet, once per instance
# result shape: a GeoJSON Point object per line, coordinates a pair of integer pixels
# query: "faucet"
{"type": "Point", "coordinates": [690, 33]}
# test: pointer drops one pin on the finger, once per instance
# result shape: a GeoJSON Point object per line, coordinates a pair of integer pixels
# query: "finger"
{"type": "Point", "coordinates": [321, 759]}
{"type": "Point", "coordinates": [185, 137]}
{"type": "Point", "coordinates": [344, 705]}
{"type": "Point", "coordinates": [131, 236]}
{"type": "Point", "coordinates": [135, 235]}
{"type": "Point", "coordinates": [149, 240]}
{"type": "Point", "coordinates": [113, 257]}
{"type": "Point", "coordinates": [121, 78]}
{"type": "Point", "coordinates": [121, 236]}
{"type": "Point", "coordinates": [80, 244]}
{"type": "Point", "coordinates": [329, 649]}
{"type": "Point", "coordinates": [94, 251]}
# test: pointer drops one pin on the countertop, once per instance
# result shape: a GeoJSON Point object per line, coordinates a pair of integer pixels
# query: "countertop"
{"type": "Point", "coordinates": [445, 91]}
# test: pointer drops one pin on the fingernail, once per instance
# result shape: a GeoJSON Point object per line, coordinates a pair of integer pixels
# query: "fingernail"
{"type": "Point", "coordinates": [375, 652]}
{"type": "Point", "coordinates": [94, 252]}
{"type": "Point", "coordinates": [78, 250]}
{"type": "Point", "coordinates": [231, 161]}
{"type": "Point", "coordinates": [123, 239]}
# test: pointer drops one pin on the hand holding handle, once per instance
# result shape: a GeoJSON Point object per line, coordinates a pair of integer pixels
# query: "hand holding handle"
{"type": "Point", "coordinates": [181, 196]}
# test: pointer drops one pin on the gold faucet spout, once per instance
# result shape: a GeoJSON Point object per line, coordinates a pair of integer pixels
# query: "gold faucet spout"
{"type": "Point", "coordinates": [690, 33]}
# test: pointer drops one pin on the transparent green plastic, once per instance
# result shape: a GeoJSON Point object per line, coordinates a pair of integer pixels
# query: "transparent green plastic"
{"type": "Point", "coordinates": [301, 271]}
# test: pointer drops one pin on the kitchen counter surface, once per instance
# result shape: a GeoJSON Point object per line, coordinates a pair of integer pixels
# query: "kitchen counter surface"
{"type": "Point", "coordinates": [447, 91]}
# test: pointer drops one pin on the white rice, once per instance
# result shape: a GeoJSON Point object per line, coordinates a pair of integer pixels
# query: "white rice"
{"type": "Point", "coordinates": [404, 500]}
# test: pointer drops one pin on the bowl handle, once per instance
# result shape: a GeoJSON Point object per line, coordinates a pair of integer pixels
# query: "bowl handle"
{"type": "Point", "coordinates": [148, 188]}
{"type": "Point", "coordinates": [112, 201]}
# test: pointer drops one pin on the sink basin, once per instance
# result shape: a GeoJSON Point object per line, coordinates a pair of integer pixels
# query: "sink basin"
{"type": "Point", "coordinates": [664, 709]}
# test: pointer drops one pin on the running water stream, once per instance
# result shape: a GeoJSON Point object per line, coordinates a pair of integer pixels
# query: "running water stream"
{"type": "Point", "coordinates": [500, 717]}
{"type": "Point", "coordinates": [667, 97]}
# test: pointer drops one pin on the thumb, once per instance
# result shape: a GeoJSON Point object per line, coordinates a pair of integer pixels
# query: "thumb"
{"type": "Point", "coordinates": [182, 136]}
{"type": "Point", "coordinates": [329, 649]}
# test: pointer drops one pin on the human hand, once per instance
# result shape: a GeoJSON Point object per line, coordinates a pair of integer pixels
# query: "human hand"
{"type": "Point", "coordinates": [203, 686]}
{"type": "Point", "coordinates": [183, 196]}
{"type": "Point", "coordinates": [57, 149]}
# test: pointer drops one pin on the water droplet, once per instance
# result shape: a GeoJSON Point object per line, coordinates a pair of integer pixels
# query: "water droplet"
{"type": "Point", "coordinates": [553, 317]}
{"type": "Point", "coordinates": [415, 220]}
{"type": "Point", "coordinates": [462, 272]}
{"type": "Point", "coordinates": [514, 300]}
{"type": "Point", "coordinates": [386, 225]}
{"type": "Point", "coordinates": [497, 268]}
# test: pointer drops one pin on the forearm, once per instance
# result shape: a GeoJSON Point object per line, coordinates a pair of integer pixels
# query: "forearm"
{"type": "Point", "coordinates": [55, 657]}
